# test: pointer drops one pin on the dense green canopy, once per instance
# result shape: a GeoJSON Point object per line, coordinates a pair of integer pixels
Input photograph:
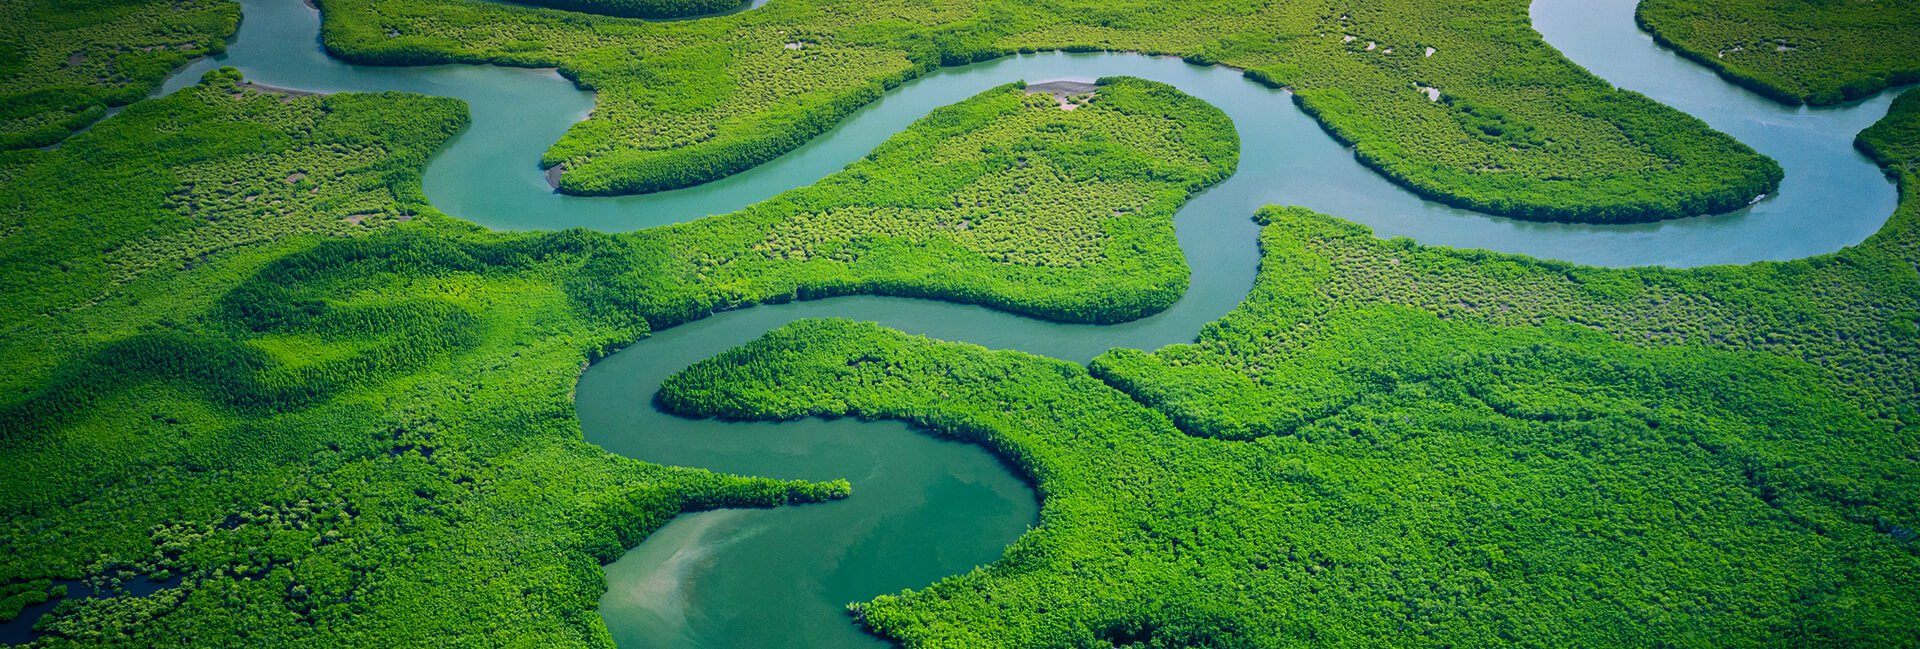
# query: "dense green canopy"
{"type": "Point", "coordinates": [1521, 132]}
{"type": "Point", "coordinates": [243, 353]}
{"type": "Point", "coordinates": [253, 357]}
{"type": "Point", "coordinates": [63, 63]}
{"type": "Point", "coordinates": [1813, 51]}
{"type": "Point", "coordinates": [1390, 444]}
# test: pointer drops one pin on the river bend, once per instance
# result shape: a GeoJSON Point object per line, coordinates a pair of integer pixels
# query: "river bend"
{"type": "Point", "coordinates": [924, 508]}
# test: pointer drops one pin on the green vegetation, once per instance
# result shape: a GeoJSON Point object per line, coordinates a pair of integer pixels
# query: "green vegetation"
{"type": "Point", "coordinates": [655, 9]}
{"type": "Point", "coordinates": [1849, 312]}
{"type": "Point", "coordinates": [1003, 200]}
{"type": "Point", "coordinates": [1522, 132]}
{"type": "Point", "coordinates": [1545, 486]}
{"type": "Point", "coordinates": [64, 62]}
{"type": "Point", "coordinates": [327, 522]}
{"type": "Point", "coordinates": [253, 358]}
{"type": "Point", "coordinates": [183, 180]}
{"type": "Point", "coordinates": [1257, 372]}
{"type": "Point", "coordinates": [17, 596]}
{"type": "Point", "coordinates": [1390, 444]}
{"type": "Point", "coordinates": [242, 351]}
{"type": "Point", "coordinates": [325, 481]}
{"type": "Point", "coordinates": [1812, 51]}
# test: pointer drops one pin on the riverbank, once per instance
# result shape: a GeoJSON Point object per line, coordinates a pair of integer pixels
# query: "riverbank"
{"type": "Point", "coordinates": [492, 328]}
{"type": "Point", "coordinates": [1832, 197]}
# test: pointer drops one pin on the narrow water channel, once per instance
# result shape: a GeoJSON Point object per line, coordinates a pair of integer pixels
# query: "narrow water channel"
{"type": "Point", "coordinates": [924, 508]}
{"type": "Point", "coordinates": [1833, 196]}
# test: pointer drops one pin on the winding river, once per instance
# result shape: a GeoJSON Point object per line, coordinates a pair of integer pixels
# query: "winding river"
{"type": "Point", "coordinates": [925, 508]}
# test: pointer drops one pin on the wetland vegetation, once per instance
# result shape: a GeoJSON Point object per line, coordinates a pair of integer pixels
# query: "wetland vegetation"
{"type": "Point", "coordinates": [345, 372]}
{"type": "Point", "coordinates": [63, 63]}
{"type": "Point", "coordinates": [1521, 132]}
{"type": "Point", "coordinates": [1822, 52]}
{"type": "Point", "coordinates": [253, 375]}
{"type": "Point", "coordinates": [1390, 443]}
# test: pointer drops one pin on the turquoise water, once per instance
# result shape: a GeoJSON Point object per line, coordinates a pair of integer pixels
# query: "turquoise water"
{"type": "Point", "coordinates": [1833, 196]}
{"type": "Point", "coordinates": [924, 508]}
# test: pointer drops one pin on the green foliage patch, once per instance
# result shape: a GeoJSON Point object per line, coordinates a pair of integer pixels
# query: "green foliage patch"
{"type": "Point", "coordinates": [1843, 312]}
{"type": "Point", "coordinates": [17, 596]}
{"type": "Point", "coordinates": [174, 182]}
{"type": "Point", "coordinates": [1524, 133]}
{"type": "Point", "coordinates": [64, 62]}
{"type": "Point", "coordinates": [363, 405]}
{"type": "Point", "coordinates": [1812, 51]}
{"type": "Point", "coordinates": [1003, 200]}
{"type": "Point", "coordinates": [1391, 444]}
{"type": "Point", "coordinates": [245, 353]}
{"type": "Point", "coordinates": [1530, 485]}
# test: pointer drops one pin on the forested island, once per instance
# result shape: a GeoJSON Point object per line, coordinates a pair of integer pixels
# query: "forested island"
{"type": "Point", "coordinates": [260, 391]}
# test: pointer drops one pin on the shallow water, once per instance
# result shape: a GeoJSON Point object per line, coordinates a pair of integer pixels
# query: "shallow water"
{"type": "Point", "coordinates": [924, 508]}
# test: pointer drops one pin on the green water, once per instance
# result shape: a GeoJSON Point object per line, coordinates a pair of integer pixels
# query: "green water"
{"type": "Point", "coordinates": [924, 508]}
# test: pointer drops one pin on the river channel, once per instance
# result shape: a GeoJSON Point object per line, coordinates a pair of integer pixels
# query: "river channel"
{"type": "Point", "coordinates": [924, 508]}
